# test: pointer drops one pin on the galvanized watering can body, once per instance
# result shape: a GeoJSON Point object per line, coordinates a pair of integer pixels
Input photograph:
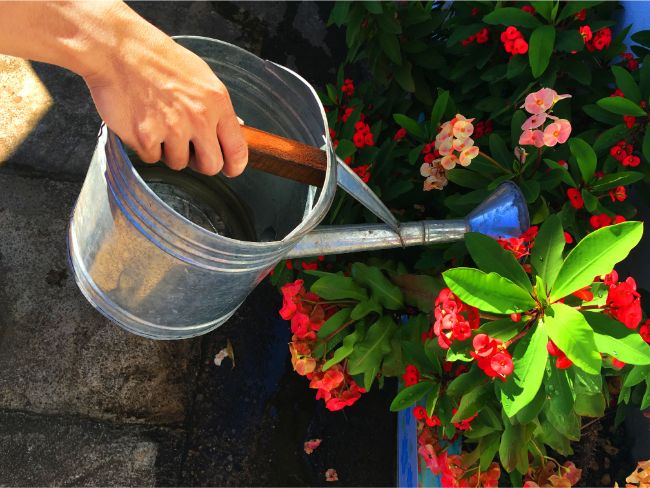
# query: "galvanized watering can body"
{"type": "Point", "coordinates": [157, 274]}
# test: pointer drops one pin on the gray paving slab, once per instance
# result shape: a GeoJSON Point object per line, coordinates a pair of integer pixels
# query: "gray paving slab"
{"type": "Point", "coordinates": [59, 355]}
{"type": "Point", "coordinates": [47, 451]}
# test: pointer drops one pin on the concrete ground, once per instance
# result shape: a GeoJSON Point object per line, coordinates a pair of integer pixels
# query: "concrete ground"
{"type": "Point", "coordinates": [84, 403]}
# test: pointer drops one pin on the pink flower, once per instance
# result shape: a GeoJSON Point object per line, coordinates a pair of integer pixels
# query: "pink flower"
{"type": "Point", "coordinates": [539, 101]}
{"type": "Point", "coordinates": [532, 138]}
{"type": "Point", "coordinates": [534, 121]}
{"type": "Point", "coordinates": [557, 132]}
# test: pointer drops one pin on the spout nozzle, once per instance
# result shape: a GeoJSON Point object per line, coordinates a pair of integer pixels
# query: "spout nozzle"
{"type": "Point", "coordinates": [503, 214]}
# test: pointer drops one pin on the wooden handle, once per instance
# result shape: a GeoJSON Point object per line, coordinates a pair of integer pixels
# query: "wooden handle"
{"type": "Point", "coordinates": [285, 157]}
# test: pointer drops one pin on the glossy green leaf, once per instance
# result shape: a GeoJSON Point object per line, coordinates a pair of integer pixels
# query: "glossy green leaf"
{"type": "Point", "coordinates": [465, 382]}
{"type": "Point", "coordinates": [559, 407]}
{"type": "Point", "coordinates": [411, 126]}
{"type": "Point", "coordinates": [620, 342]}
{"type": "Point", "coordinates": [345, 350]}
{"type": "Point", "coordinates": [510, 452]}
{"type": "Point", "coordinates": [644, 75]}
{"type": "Point", "coordinates": [432, 399]}
{"type": "Point", "coordinates": [369, 353]}
{"type": "Point", "coordinates": [546, 256]}
{"type": "Point", "coordinates": [385, 292]}
{"type": "Point", "coordinates": [337, 287]}
{"type": "Point", "coordinates": [621, 106]}
{"type": "Point", "coordinates": [636, 375]}
{"type": "Point", "coordinates": [473, 401]}
{"type": "Point", "coordinates": [489, 256]}
{"type": "Point", "coordinates": [409, 395]}
{"type": "Point", "coordinates": [540, 48]}
{"type": "Point", "coordinates": [570, 331]}
{"type": "Point", "coordinates": [645, 401]}
{"type": "Point", "coordinates": [529, 358]}
{"type": "Point", "coordinates": [626, 83]}
{"type": "Point", "coordinates": [439, 108]}
{"type": "Point", "coordinates": [373, 6]}
{"type": "Point", "coordinates": [489, 447]}
{"type": "Point", "coordinates": [601, 115]}
{"type": "Point", "coordinates": [404, 76]}
{"type": "Point", "coordinates": [590, 405]}
{"type": "Point", "coordinates": [590, 201]}
{"type": "Point", "coordinates": [499, 150]}
{"type": "Point", "coordinates": [511, 16]}
{"type": "Point", "coordinates": [364, 308]}
{"type": "Point", "coordinates": [595, 255]}
{"type": "Point", "coordinates": [585, 156]}
{"type": "Point", "coordinates": [572, 8]}
{"type": "Point", "coordinates": [530, 412]}
{"type": "Point", "coordinates": [621, 178]}
{"type": "Point", "coordinates": [642, 37]}
{"type": "Point", "coordinates": [488, 291]}
{"type": "Point", "coordinates": [459, 351]}
{"type": "Point", "coordinates": [345, 148]}
{"type": "Point", "coordinates": [646, 142]}
{"type": "Point", "coordinates": [334, 322]}
{"type": "Point", "coordinates": [608, 138]}
{"type": "Point", "coordinates": [419, 290]}
{"type": "Point", "coordinates": [502, 329]}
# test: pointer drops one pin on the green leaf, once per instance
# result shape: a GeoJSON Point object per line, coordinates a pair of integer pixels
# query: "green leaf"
{"type": "Point", "coordinates": [644, 75]}
{"type": "Point", "coordinates": [568, 41]}
{"type": "Point", "coordinates": [529, 358]}
{"type": "Point", "coordinates": [459, 351]}
{"type": "Point", "coordinates": [337, 287]}
{"type": "Point", "coordinates": [345, 350]}
{"type": "Point", "coordinates": [386, 293]}
{"type": "Point", "coordinates": [503, 329]}
{"type": "Point", "coordinates": [472, 402]}
{"type": "Point", "coordinates": [388, 23]}
{"type": "Point", "coordinates": [646, 141]}
{"type": "Point", "coordinates": [390, 45]}
{"type": "Point", "coordinates": [546, 256]}
{"type": "Point", "coordinates": [516, 66]}
{"type": "Point", "coordinates": [591, 202]}
{"type": "Point", "coordinates": [540, 48]}
{"type": "Point", "coordinates": [626, 83]}
{"type": "Point", "coordinates": [339, 13]}
{"type": "Point", "coordinates": [570, 331]}
{"type": "Point", "coordinates": [645, 401]}
{"type": "Point", "coordinates": [595, 255]}
{"type": "Point", "coordinates": [466, 178]}
{"type": "Point", "coordinates": [518, 119]}
{"type": "Point", "coordinates": [585, 156]}
{"type": "Point", "coordinates": [345, 148]}
{"type": "Point", "coordinates": [490, 256]}
{"type": "Point", "coordinates": [621, 106]}
{"type": "Point", "coordinates": [546, 433]}
{"type": "Point", "coordinates": [531, 411]}
{"type": "Point", "coordinates": [334, 322]}
{"type": "Point", "coordinates": [439, 108]}
{"type": "Point", "coordinates": [572, 8]}
{"type": "Point", "coordinates": [544, 8]}
{"type": "Point", "coordinates": [465, 382]}
{"type": "Point", "coordinates": [559, 408]}
{"type": "Point", "coordinates": [404, 76]}
{"type": "Point", "coordinates": [499, 151]}
{"type": "Point", "coordinates": [601, 115]}
{"type": "Point", "coordinates": [636, 375]}
{"type": "Point", "coordinates": [432, 399]}
{"type": "Point", "coordinates": [489, 446]}
{"type": "Point", "coordinates": [419, 290]}
{"type": "Point", "coordinates": [411, 126]}
{"type": "Point", "coordinates": [511, 16]}
{"type": "Point", "coordinates": [642, 37]}
{"type": "Point", "coordinates": [364, 308]}
{"type": "Point", "coordinates": [621, 178]}
{"type": "Point", "coordinates": [409, 395]}
{"type": "Point", "coordinates": [369, 353]}
{"type": "Point", "coordinates": [609, 137]}
{"type": "Point", "coordinates": [590, 405]}
{"type": "Point", "coordinates": [510, 452]}
{"type": "Point", "coordinates": [620, 342]}
{"type": "Point", "coordinates": [488, 291]}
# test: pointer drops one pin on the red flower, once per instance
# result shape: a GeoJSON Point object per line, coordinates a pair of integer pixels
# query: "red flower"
{"type": "Point", "coordinates": [584, 294]}
{"type": "Point", "coordinates": [363, 171]}
{"type": "Point", "coordinates": [348, 87]}
{"type": "Point", "coordinates": [585, 32]}
{"type": "Point", "coordinates": [528, 8]}
{"type": "Point", "coordinates": [475, 11]}
{"type": "Point", "coordinates": [617, 363]}
{"type": "Point", "coordinates": [611, 279]}
{"type": "Point", "coordinates": [411, 375]}
{"type": "Point", "coordinates": [289, 264]}
{"type": "Point", "coordinates": [400, 134]}
{"type": "Point", "coordinates": [289, 293]}
{"type": "Point", "coordinates": [307, 266]}
{"type": "Point", "coordinates": [598, 221]}
{"type": "Point", "coordinates": [644, 330]}
{"type": "Point", "coordinates": [359, 139]}
{"type": "Point", "coordinates": [491, 357]}
{"type": "Point", "coordinates": [482, 36]}
{"type": "Point", "coordinates": [629, 120]}
{"type": "Point", "coordinates": [419, 412]}
{"type": "Point", "coordinates": [617, 93]}
{"type": "Point", "coordinates": [582, 15]}
{"type": "Point", "coordinates": [575, 198]}
{"type": "Point", "coordinates": [518, 246]}
{"type": "Point", "coordinates": [618, 152]}
{"type": "Point", "coordinates": [631, 161]}
{"type": "Point", "coordinates": [618, 193]}
{"type": "Point", "coordinates": [624, 303]}
{"type": "Point", "coordinates": [432, 421]}
{"type": "Point", "coordinates": [561, 361]}
{"type": "Point", "coordinates": [567, 238]}
{"type": "Point", "coordinates": [618, 219]}
{"type": "Point", "coordinates": [520, 46]}
{"type": "Point", "coordinates": [465, 423]}
{"type": "Point", "coordinates": [513, 41]}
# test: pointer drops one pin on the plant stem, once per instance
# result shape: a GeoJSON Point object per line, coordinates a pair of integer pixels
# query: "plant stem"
{"type": "Point", "coordinates": [489, 316]}
{"type": "Point", "coordinates": [588, 307]}
{"type": "Point", "coordinates": [329, 337]}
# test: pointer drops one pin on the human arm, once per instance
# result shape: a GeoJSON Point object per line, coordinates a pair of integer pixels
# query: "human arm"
{"type": "Point", "coordinates": [154, 94]}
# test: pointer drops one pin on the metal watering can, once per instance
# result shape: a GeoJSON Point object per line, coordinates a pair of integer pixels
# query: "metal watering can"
{"type": "Point", "coordinates": [151, 250]}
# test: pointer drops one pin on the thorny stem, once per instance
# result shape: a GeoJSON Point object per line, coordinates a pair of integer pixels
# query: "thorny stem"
{"type": "Point", "coordinates": [541, 454]}
{"type": "Point", "coordinates": [588, 307]}
{"type": "Point", "coordinates": [329, 337]}
{"type": "Point", "coordinates": [494, 162]}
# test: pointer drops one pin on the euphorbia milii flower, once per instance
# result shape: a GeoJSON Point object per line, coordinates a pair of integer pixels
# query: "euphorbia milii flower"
{"type": "Point", "coordinates": [534, 121]}
{"type": "Point", "coordinates": [539, 101]}
{"type": "Point", "coordinates": [557, 132]}
{"type": "Point", "coordinates": [532, 138]}
{"type": "Point", "coordinates": [467, 155]}
{"type": "Point", "coordinates": [449, 161]}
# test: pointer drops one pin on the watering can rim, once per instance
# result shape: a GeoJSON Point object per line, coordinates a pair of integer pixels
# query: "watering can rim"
{"type": "Point", "coordinates": [307, 224]}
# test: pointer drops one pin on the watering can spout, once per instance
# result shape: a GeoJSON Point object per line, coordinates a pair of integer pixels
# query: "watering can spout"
{"type": "Point", "coordinates": [502, 214]}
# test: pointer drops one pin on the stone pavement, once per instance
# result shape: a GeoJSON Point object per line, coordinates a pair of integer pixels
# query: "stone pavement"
{"type": "Point", "coordinates": [84, 403]}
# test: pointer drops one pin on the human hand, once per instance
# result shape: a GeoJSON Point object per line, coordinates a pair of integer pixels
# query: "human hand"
{"type": "Point", "coordinates": [158, 97]}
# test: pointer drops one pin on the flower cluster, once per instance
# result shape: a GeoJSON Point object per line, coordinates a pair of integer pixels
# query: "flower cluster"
{"type": "Point", "coordinates": [348, 87]}
{"type": "Point", "coordinates": [600, 40]}
{"type": "Point", "coordinates": [631, 62]}
{"type": "Point", "coordinates": [622, 152]}
{"type": "Point", "coordinates": [513, 41]}
{"type": "Point", "coordinates": [491, 356]}
{"type": "Point", "coordinates": [411, 375]}
{"type": "Point", "coordinates": [624, 301]}
{"type": "Point", "coordinates": [644, 330]}
{"type": "Point", "coordinates": [420, 413]}
{"type": "Point", "coordinates": [362, 136]}
{"type": "Point", "coordinates": [561, 361]}
{"type": "Point", "coordinates": [483, 128]}
{"type": "Point", "coordinates": [618, 194]}
{"type": "Point", "coordinates": [552, 474]}
{"type": "Point", "coordinates": [465, 423]}
{"type": "Point", "coordinates": [306, 317]}
{"type": "Point", "coordinates": [400, 134]}
{"type": "Point", "coordinates": [575, 198]}
{"type": "Point", "coordinates": [363, 172]}
{"type": "Point", "coordinates": [522, 245]}
{"type": "Point", "coordinates": [336, 387]}
{"type": "Point", "coordinates": [451, 325]}
{"type": "Point", "coordinates": [481, 37]}
{"type": "Point", "coordinates": [538, 104]}
{"type": "Point", "coordinates": [603, 220]}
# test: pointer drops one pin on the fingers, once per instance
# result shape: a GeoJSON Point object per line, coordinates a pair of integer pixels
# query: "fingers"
{"type": "Point", "coordinates": [150, 155]}
{"type": "Point", "coordinates": [176, 152]}
{"type": "Point", "coordinates": [208, 158]}
{"type": "Point", "coordinates": [233, 145]}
